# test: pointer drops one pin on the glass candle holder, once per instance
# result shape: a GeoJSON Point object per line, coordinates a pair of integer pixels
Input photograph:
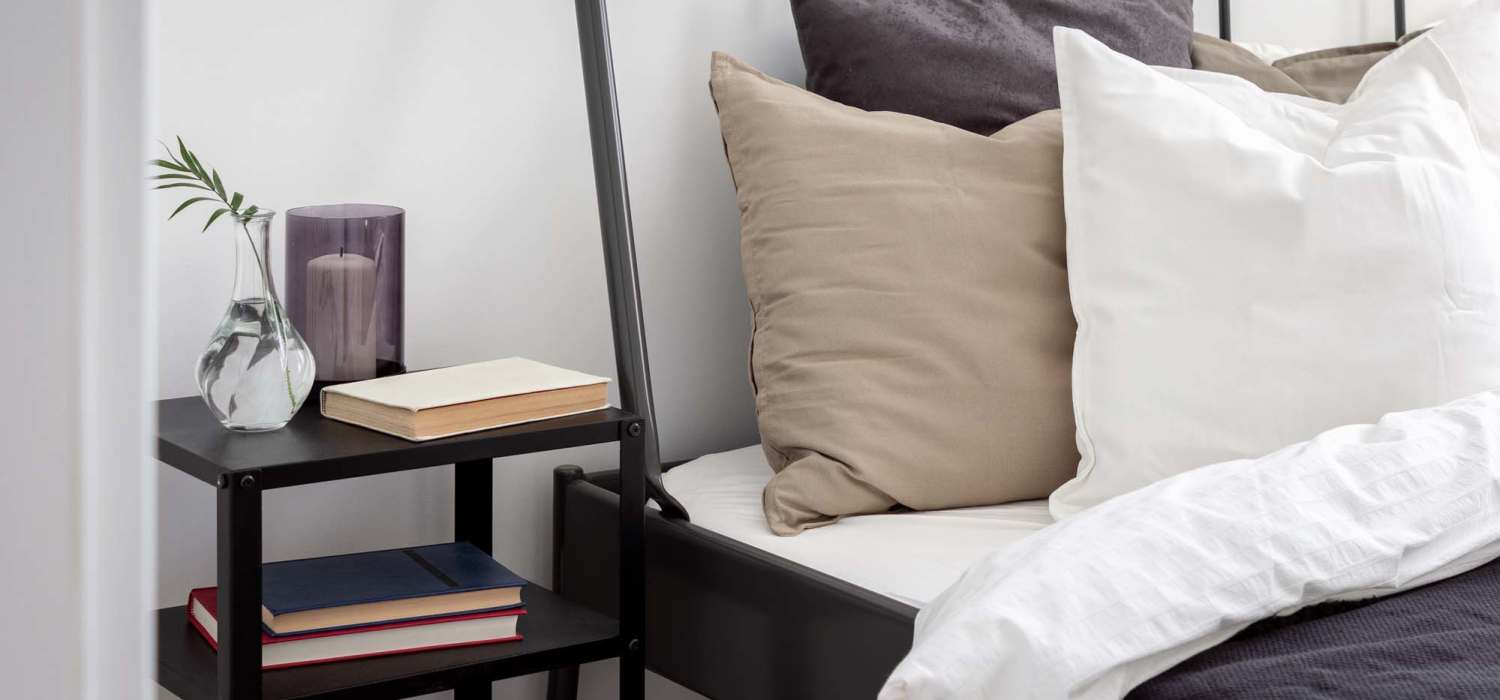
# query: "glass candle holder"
{"type": "Point", "coordinates": [345, 287]}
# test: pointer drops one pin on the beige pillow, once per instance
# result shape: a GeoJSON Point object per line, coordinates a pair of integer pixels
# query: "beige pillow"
{"type": "Point", "coordinates": [1211, 53]}
{"type": "Point", "coordinates": [1329, 74]}
{"type": "Point", "coordinates": [913, 335]}
{"type": "Point", "coordinates": [1332, 74]}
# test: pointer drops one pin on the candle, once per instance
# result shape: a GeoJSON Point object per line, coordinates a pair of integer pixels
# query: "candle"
{"type": "Point", "coordinates": [341, 315]}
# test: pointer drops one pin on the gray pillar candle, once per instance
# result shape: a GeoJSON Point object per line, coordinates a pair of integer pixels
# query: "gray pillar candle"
{"type": "Point", "coordinates": [341, 315]}
{"type": "Point", "coordinates": [345, 280]}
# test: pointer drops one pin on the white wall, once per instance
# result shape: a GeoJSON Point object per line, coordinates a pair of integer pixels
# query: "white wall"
{"type": "Point", "coordinates": [78, 321]}
{"type": "Point", "coordinates": [470, 114]}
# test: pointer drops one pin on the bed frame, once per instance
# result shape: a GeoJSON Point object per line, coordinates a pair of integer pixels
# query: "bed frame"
{"type": "Point", "coordinates": [722, 618]}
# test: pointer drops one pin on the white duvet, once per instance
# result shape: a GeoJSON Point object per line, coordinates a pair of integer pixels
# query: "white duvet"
{"type": "Point", "coordinates": [1098, 603]}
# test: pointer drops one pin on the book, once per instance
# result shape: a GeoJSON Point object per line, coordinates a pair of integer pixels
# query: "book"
{"type": "Point", "coordinates": [393, 585]}
{"type": "Point", "coordinates": [377, 640]}
{"type": "Point", "coordinates": [463, 399]}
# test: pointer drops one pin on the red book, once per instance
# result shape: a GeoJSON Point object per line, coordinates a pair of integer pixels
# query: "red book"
{"type": "Point", "coordinates": [361, 642]}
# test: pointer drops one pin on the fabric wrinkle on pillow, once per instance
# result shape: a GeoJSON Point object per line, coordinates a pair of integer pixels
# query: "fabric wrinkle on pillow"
{"type": "Point", "coordinates": [1210, 53]}
{"type": "Point", "coordinates": [1333, 74]}
{"type": "Point", "coordinates": [1330, 75]}
{"type": "Point", "coordinates": [1350, 266]}
{"type": "Point", "coordinates": [912, 332]}
{"type": "Point", "coordinates": [1270, 53]}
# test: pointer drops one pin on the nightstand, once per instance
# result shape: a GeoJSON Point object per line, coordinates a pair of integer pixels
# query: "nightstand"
{"type": "Point", "coordinates": [238, 467]}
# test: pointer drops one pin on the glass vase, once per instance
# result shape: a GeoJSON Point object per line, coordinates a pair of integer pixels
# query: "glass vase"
{"type": "Point", "coordinates": [256, 371]}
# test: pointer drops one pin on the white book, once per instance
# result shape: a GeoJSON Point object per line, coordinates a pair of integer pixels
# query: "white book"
{"type": "Point", "coordinates": [466, 398]}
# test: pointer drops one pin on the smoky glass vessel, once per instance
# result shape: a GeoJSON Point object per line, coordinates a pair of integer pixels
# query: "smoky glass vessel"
{"type": "Point", "coordinates": [256, 371]}
{"type": "Point", "coordinates": [345, 279]}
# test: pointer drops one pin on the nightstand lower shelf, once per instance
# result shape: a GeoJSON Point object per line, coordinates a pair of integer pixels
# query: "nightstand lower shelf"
{"type": "Point", "coordinates": [556, 632]}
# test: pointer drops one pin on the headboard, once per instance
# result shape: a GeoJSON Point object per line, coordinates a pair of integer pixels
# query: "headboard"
{"type": "Point", "coordinates": [1225, 16]}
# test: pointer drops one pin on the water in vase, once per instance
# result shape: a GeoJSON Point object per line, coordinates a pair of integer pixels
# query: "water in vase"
{"type": "Point", "coordinates": [256, 371]}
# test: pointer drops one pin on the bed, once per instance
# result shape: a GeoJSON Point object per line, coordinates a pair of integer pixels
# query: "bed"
{"type": "Point", "coordinates": [732, 611]}
{"type": "Point", "coordinates": [736, 612]}
{"type": "Point", "coordinates": [933, 547]}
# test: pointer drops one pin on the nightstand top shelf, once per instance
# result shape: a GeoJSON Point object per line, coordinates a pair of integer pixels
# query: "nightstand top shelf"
{"type": "Point", "coordinates": [311, 448]}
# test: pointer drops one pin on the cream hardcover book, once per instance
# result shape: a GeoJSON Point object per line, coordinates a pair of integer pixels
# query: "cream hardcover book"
{"type": "Point", "coordinates": [454, 400]}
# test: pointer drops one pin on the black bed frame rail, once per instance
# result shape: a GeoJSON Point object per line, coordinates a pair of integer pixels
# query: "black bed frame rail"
{"type": "Point", "coordinates": [1399, 7]}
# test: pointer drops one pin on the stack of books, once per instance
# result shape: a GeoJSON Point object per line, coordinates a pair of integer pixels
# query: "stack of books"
{"type": "Point", "coordinates": [377, 603]}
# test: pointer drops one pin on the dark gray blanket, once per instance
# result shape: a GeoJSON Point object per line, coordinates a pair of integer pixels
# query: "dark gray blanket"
{"type": "Point", "coordinates": [1439, 641]}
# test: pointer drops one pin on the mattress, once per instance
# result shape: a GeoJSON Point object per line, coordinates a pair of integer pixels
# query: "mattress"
{"type": "Point", "coordinates": [910, 557]}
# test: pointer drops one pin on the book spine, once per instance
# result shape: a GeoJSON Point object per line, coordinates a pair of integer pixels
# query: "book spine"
{"type": "Point", "coordinates": [413, 650]}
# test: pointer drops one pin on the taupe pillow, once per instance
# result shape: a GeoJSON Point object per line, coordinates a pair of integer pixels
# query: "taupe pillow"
{"type": "Point", "coordinates": [1211, 53]}
{"type": "Point", "coordinates": [913, 335]}
{"type": "Point", "coordinates": [1332, 74]}
{"type": "Point", "coordinates": [1329, 74]}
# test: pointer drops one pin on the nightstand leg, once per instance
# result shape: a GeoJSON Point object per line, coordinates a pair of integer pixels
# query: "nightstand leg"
{"type": "Point", "coordinates": [239, 587]}
{"type": "Point", "coordinates": [562, 683]}
{"type": "Point", "coordinates": [474, 503]}
{"type": "Point", "coordinates": [473, 522]}
{"type": "Point", "coordinates": [633, 559]}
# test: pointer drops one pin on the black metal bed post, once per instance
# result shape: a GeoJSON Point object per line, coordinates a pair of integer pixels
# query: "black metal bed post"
{"type": "Point", "coordinates": [1224, 20]}
{"type": "Point", "coordinates": [1400, 19]}
{"type": "Point", "coordinates": [632, 561]}
{"type": "Point", "coordinates": [619, 238]}
{"type": "Point", "coordinates": [640, 457]}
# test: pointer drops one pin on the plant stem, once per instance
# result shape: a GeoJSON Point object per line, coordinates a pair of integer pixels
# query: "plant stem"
{"type": "Point", "coordinates": [265, 278]}
{"type": "Point", "coordinates": [189, 172]}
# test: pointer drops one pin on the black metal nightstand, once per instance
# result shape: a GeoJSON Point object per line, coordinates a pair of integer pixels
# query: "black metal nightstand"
{"type": "Point", "coordinates": [557, 633]}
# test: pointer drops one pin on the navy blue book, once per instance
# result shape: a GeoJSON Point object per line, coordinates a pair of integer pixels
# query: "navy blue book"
{"type": "Point", "coordinates": [393, 585]}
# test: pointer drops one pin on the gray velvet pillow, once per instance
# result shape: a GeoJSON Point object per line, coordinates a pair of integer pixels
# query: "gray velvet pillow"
{"type": "Point", "coordinates": [975, 64]}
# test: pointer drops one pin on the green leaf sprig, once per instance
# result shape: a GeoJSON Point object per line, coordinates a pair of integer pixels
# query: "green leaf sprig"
{"type": "Point", "coordinates": [183, 169]}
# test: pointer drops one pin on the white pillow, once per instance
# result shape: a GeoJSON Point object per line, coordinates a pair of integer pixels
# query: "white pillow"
{"type": "Point", "coordinates": [1249, 269]}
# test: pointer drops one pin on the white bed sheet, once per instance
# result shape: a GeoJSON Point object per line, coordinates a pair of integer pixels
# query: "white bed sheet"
{"type": "Point", "coordinates": [911, 557]}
